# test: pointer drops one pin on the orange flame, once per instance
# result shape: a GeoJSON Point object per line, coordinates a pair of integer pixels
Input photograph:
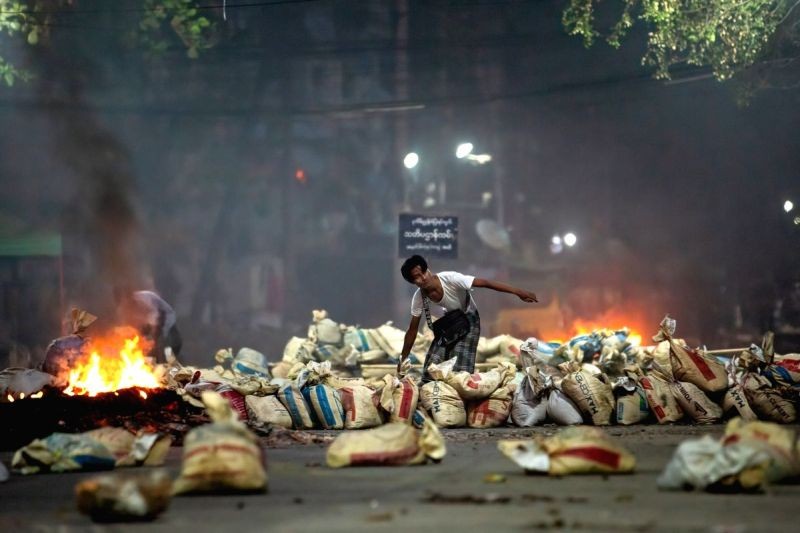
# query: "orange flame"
{"type": "Point", "coordinates": [612, 320]}
{"type": "Point", "coordinates": [109, 367]}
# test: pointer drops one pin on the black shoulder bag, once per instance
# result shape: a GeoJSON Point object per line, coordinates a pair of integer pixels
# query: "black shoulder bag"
{"type": "Point", "coordinates": [450, 328]}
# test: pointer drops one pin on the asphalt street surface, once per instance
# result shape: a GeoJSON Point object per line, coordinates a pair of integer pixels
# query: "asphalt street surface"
{"type": "Point", "coordinates": [454, 495]}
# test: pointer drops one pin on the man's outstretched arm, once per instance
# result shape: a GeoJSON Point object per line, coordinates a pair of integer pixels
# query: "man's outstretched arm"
{"type": "Point", "coordinates": [522, 294]}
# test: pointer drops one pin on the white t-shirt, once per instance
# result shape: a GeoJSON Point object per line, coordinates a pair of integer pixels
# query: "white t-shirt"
{"type": "Point", "coordinates": [455, 287]}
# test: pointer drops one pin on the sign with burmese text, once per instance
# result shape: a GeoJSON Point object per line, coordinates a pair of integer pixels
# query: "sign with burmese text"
{"type": "Point", "coordinates": [429, 236]}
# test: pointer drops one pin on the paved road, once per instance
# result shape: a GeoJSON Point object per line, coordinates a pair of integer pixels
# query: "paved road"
{"type": "Point", "coordinates": [304, 495]}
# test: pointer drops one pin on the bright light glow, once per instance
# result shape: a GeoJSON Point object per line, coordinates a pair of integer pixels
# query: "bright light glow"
{"type": "Point", "coordinates": [570, 239]}
{"type": "Point", "coordinates": [788, 205]}
{"type": "Point", "coordinates": [37, 395]}
{"type": "Point", "coordinates": [411, 160]}
{"type": "Point", "coordinates": [479, 159]}
{"type": "Point", "coordinates": [556, 239]}
{"type": "Point", "coordinates": [463, 150]}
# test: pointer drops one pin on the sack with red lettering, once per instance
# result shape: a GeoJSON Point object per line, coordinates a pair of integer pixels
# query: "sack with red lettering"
{"type": "Point", "coordinates": [590, 393]}
{"type": "Point", "coordinates": [399, 398]}
{"type": "Point", "coordinates": [691, 365]}
{"type": "Point", "coordinates": [481, 385]}
{"type": "Point", "coordinates": [574, 450]}
{"type": "Point", "coordinates": [492, 411]}
{"type": "Point", "coordinates": [360, 407]}
{"type": "Point", "coordinates": [660, 399]}
{"type": "Point", "coordinates": [735, 402]}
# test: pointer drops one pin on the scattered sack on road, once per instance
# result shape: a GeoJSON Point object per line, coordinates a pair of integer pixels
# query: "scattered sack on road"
{"type": "Point", "coordinates": [124, 497]}
{"type": "Point", "coordinates": [223, 456]}
{"type": "Point", "coordinates": [392, 444]}
{"type": "Point", "coordinates": [573, 450]}
{"type": "Point", "coordinates": [99, 449]}
{"type": "Point", "coordinates": [249, 362]}
{"type": "Point", "coordinates": [562, 410]}
{"type": "Point", "coordinates": [748, 457]}
{"type": "Point", "coordinates": [22, 382]}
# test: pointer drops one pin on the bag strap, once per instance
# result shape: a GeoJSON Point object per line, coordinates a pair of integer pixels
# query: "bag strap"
{"type": "Point", "coordinates": [427, 310]}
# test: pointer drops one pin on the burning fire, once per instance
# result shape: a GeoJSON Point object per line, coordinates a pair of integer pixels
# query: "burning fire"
{"type": "Point", "coordinates": [116, 362]}
{"type": "Point", "coordinates": [612, 320]}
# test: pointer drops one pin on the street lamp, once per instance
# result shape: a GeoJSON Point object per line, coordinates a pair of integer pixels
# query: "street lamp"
{"type": "Point", "coordinates": [463, 150]}
{"type": "Point", "coordinates": [411, 160]}
{"type": "Point", "coordinates": [788, 205]}
{"type": "Point", "coordinates": [570, 239]}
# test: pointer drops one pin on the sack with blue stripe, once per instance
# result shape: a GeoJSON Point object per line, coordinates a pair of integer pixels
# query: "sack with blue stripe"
{"type": "Point", "coordinates": [327, 406]}
{"type": "Point", "coordinates": [291, 398]}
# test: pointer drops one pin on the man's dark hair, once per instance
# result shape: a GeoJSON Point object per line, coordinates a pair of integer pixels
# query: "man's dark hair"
{"type": "Point", "coordinates": [410, 263]}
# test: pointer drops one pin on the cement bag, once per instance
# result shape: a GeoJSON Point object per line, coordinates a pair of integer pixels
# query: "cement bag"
{"type": "Point", "coordinates": [292, 399]}
{"type": "Point", "coordinates": [221, 456]}
{"type": "Point", "coordinates": [735, 404]}
{"type": "Point", "coordinates": [592, 396]}
{"type": "Point", "coordinates": [389, 339]}
{"type": "Point", "coordinates": [562, 410]}
{"type": "Point", "coordinates": [574, 450]}
{"type": "Point", "coordinates": [695, 403]}
{"type": "Point", "coordinates": [747, 458]}
{"type": "Point", "coordinates": [323, 330]}
{"type": "Point", "coordinates": [780, 442]}
{"type": "Point", "coordinates": [660, 399]}
{"type": "Point", "coordinates": [147, 449]}
{"type": "Point", "coordinates": [529, 405]}
{"type": "Point", "coordinates": [444, 404]}
{"type": "Point", "coordinates": [249, 362]}
{"type": "Point", "coordinates": [389, 445]}
{"type": "Point", "coordinates": [784, 371]}
{"type": "Point", "coordinates": [360, 407]}
{"type": "Point", "coordinates": [298, 350]}
{"type": "Point", "coordinates": [492, 411]}
{"type": "Point", "coordinates": [489, 346]}
{"type": "Point", "coordinates": [399, 398]}
{"type": "Point", "coordinates": [481, 385]}
{"type": "Point", "coordinates": [509, 348]}
{"type": "Point", "coordinates": [372, 357]}
{"type": "Point", "coordinates": [690, 365]}
{"type": "Point", "coordinates": [268, 410]}
{"type": "Point", "coordinates": [631, 401]}
{"type": "Point", "coordinates": [327, 406]}
{"type": "Point", "coordinates": [767, 402]}
{"type": "Point", "coordinates": [359, 338]}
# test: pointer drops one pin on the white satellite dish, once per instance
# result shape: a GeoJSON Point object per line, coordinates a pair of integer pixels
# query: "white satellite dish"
{"type": "Point", "coordinates": [493, 234]}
